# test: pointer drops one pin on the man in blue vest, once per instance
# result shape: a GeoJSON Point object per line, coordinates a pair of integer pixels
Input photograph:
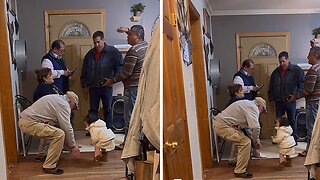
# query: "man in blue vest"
{"type": "Point", "coordinates": [245, 78]}
{"type": "Point", "coordinates": [54, 60]}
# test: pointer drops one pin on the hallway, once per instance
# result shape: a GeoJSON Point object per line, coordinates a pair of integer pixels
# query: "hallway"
{"type": "Point", "coordinates": [261, 169]}
{"type": "Point", "coordinates": [266, 168]}
{"type": "Point", "coordinates": [80, 168]}
{"type": "Point", "coordinates": [74, 168]}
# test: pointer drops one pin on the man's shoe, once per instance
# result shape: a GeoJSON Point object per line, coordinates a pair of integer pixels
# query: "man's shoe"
{"type": "Point", "coordinates": [52, 171]}
{"type": "Point", "coordinates": [232, 163]}
{"type": "Point", "coordinates": [303, 153]}
{"type": "Point", "coordinates": [243, 175]}
{"type": "Point", "coordinates": [40, 158]}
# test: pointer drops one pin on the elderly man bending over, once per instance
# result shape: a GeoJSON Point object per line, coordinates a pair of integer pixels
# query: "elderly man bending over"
{"type": "Point", "coordinates": [43, 117]}
{"type": "Point", "coordinates": [241, 114]}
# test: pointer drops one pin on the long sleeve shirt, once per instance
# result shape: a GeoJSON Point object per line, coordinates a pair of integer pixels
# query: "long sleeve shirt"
{"type": "Point", "coordinates": [133, 62]}
{"type": "Point", "coordinates": [54, 110]}
{"type": "Point", "coordinates": [311, 89]}
{"type": "Point", "coordinates": [242, 114]}
{"type": "Point", "coordinates": [47, 63]}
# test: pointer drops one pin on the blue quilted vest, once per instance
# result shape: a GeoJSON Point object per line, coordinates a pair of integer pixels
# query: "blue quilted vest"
{"type": "Point", "coordinates": [247, 81]}
{"type": "Point", "coordinates": [58, 64]}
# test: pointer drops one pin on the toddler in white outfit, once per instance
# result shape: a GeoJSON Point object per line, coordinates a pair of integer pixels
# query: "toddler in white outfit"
{"type": "Point", "coordinates": [285, 141]}
{"type": "Point", "coordinates": [102, 138]}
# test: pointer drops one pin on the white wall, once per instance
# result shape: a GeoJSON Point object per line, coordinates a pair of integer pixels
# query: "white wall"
{"type": "Point", "coordinates": [3, 166]}
{"type": "Point", "coordinates": [190, 105]}
{"type": "Point", "coordinates": [14, 76]}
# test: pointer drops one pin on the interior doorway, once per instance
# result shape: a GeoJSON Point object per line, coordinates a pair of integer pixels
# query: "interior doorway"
{"type": "Point", "coordinates": [75, 28]}
{"type": "Point", "coordinates": [263, 49]}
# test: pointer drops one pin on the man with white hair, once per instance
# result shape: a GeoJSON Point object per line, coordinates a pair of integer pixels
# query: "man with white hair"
{"type": "Point", "coordinates": [228, 124]}
{"type": "Point", "coordinates": [43, 118]}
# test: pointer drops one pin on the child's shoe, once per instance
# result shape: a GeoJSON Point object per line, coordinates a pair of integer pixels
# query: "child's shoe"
{"type": "Point", "coordinates": [288, 161]}
{"type": "Point", "coordinates": [104, 156]}
{"type": "Point", "coordinates": [282, 164]}
{"type": "Point", "coordinates": [96, 161]}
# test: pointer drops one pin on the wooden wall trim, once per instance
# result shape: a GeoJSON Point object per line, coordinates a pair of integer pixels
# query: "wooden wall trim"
{"type": "Point", "coordinates": [6, 101]}
{"type": "Point", "coordinates": [200, 87]}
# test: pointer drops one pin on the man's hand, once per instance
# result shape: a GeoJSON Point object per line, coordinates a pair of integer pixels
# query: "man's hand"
{"type": "Point", "coordinates": [256, 88]}
{"type": "Point", "coordinates": [66, 73]}
{"type": "Point", "coordinates": [75, 150]}
{"type": "Point", "coordinates": [292, 98]}
{"type": "Point", "coordinates": [109, 82]}
{"type": "Point", "coordinates": [257, 144]}
{"type": "Point", "coordinates": [123, 30]}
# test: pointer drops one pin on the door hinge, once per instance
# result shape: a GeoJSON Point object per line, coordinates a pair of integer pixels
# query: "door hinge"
{"type": "Point", "coordinates": [173, 19]}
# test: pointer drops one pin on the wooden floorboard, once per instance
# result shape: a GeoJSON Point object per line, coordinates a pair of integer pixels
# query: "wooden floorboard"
{"type": "Point", "coordinates": [74, 168]}
{"type": "Point", "coordinates": [261, 169]}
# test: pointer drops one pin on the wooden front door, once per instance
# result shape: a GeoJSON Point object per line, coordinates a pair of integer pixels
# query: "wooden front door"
{"type": "Point", "coordinates": [263, 49]}
{"type": "Point", "coordinates": [176, 148]}
{"type": "Point", "coordinates": [75, 28]}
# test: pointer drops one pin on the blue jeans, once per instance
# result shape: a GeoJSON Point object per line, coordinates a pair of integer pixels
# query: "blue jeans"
{"type": "Point", "coordinates": [311, 111]}
{"type": "Point", "coordinates": [290, 109]}
{"type": "Point", "coordinates": [105, 94]}
{"type": "Point", "coordinates": [130, 94]}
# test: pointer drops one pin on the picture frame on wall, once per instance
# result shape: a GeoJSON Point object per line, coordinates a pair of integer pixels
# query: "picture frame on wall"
{"type": "Point", "coordinates": [206, 23]}
{"type": "Point", "coordinates": [12, 5]}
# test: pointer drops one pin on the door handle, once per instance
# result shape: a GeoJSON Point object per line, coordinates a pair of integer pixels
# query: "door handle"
{"type": "Point", "coordinates": [172, 145]}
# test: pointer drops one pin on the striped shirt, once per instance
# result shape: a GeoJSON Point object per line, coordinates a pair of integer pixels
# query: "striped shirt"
{"type": "Point", "coordinates": [311, 89]}
{"type": "Point", "coordinates": [133, 61]}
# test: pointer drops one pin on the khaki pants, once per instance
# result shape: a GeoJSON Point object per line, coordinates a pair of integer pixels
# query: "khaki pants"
{"type": "Point", "coordinates": [42, 130]}
{"type": "Point", "coordinates": [243, 143]}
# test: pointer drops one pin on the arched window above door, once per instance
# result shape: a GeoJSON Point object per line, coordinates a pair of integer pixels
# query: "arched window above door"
{"type": "Point", "coordinates": [262, 50]}
{"type": "Point", "coordinates": [74, 29]}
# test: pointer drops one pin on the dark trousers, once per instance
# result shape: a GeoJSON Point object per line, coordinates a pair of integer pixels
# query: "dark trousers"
{"type": "Point", "coordinates": [312, 111]}
{"type": "Point", "coordinates": [290, 109]}
{"type": "Point", "coordinates": [105, 94]}
{"type": "Point", "coordinates": [130, 95]}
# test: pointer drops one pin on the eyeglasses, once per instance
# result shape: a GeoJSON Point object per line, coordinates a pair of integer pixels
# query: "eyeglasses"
{"type": "Point", "coordinates": [250, 68]}
{"type": "Point", "coordinates": [62, 50]}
